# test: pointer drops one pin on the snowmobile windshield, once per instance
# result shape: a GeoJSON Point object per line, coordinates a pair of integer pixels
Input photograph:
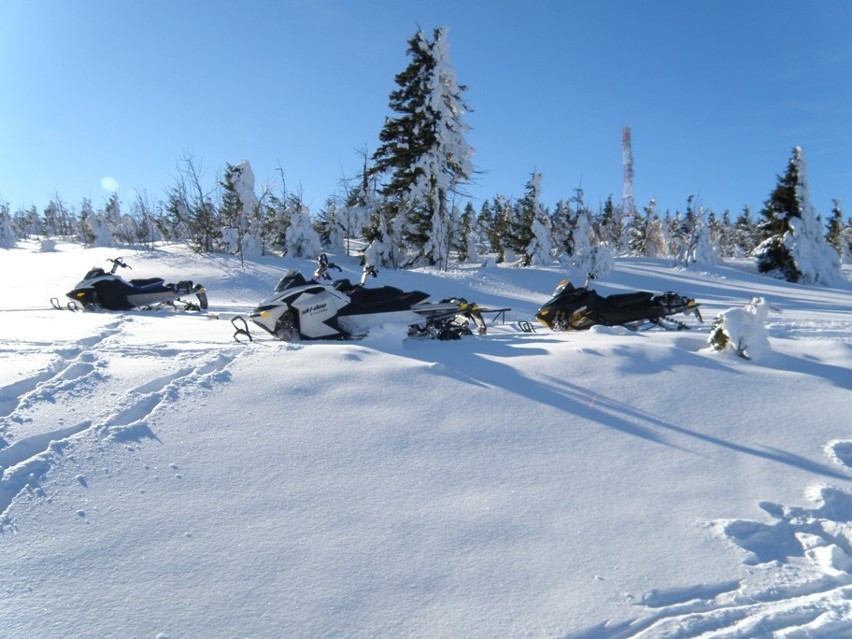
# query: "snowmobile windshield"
{"type": "Point", "coordinates": [95, 272]}
{"type": "Point", "coordinates": [291, 279]}
{"type": "Point", "coordinates": [564, 285]}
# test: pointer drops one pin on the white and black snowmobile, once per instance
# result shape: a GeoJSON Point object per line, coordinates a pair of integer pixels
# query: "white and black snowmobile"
{"type": "Point", "coordinates": [573, 308]}
{"type": "Point", "coordinates": [320, 308]}
{"type": "Point", "coordinates": [101, 290]}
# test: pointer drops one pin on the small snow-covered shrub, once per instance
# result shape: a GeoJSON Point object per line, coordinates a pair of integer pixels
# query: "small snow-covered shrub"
{"type": "Point", "coordinates": [595, 261]}
{"type": "Point", "coordinates": [742, 330]}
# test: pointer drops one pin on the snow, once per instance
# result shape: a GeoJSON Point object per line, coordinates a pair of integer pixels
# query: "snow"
{"type": "Point", "coordinates": [161, 480]}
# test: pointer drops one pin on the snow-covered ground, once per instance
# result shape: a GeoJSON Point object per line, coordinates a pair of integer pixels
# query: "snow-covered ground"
{"type": "Point", "coordinates": [161, 480]}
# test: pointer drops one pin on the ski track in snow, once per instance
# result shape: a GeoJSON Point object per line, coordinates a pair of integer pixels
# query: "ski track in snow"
{"type": "Point", "coordinates": [76, 371]}
{"type": "Point", "coordinates": [798, 584]}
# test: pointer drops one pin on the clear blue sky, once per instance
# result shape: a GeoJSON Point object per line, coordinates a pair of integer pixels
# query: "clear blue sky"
{"type": "Point", "coordinates": [113, 93]}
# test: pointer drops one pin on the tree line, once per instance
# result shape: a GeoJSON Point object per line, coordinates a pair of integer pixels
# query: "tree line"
{"type": "Point", "coordinates": [407, 207]}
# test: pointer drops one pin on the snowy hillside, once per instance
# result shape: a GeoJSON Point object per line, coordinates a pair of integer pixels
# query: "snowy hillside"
{"type": "Point", "coordinates": [160, 480]}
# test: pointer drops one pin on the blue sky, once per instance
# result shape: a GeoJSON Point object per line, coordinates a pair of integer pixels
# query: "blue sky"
{"type": "Point", "coordinates": [103, 94]}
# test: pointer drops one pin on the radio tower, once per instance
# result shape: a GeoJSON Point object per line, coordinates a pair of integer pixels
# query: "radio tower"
{"type": "Point", "coordinates": [628, 205]}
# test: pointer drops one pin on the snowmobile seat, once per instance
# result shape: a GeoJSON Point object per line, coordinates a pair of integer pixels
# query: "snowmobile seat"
{"type": "Point", "coordinates": [628, 299]}
{"type": "Point", "coordinates": [147, 283]}
{"type": "Point", "coordinates": [372, 297]}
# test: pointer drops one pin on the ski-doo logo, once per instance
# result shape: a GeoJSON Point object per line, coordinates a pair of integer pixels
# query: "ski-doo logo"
{"type": "Point", "coordinates": [314, 309]}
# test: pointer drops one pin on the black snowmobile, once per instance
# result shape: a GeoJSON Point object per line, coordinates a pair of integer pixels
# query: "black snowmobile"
{"type": "Point", "coordinates": [101, 290]}
{"type": "Point", "coordinates": [573, 308]}
{"type": "Point", "coordinates": [322, 308]}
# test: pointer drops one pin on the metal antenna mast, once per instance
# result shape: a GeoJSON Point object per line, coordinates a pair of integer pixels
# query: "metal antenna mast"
{"type": "Point", "coordinates": [628, 204]}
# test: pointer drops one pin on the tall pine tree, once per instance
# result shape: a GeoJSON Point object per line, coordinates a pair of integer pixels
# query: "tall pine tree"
{"type": "Point", "coordinates": [794, 246]}
{"type": "Point", "coordinates": [424, 155]}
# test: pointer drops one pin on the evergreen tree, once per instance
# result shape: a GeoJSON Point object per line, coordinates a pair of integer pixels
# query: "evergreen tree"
{"type": "Point", "coordinates": [301, 238]}
{"type": "Point", "coordinates": [701, 249]}
{"type": "Point", "coordinates": [423, 151]}
{"type": "Point", "coordinates": [7, 233]}
{"type": "Point", "coordinates": [794, 245]}
{"type": "Point", "coordinates": [467, 237]}
{"type": "Point", "coordinates": [50, 218]}
{"type": "Point", "coordinates": [492, 230]}
{"type": "Point", "coordinates": [174, 223]}
{"type": "Point", "coordinates": [646, 232]}
{"type": "Point", "coordinates": [561, 226]}
{"type": "Point", "coordinates": [97, 228]}
{"type": "Point", "coordinates": [240, 213]}
{"type": "Point", "coordinates": [745, 238]}
{"type": "Point", "coordinates": [726, 237]}
{"type": "Point", "coordinates": [330, 226]}
{"type": "Point", "coordinates": [528, 230]}
{"type": "Point", "coordinates": [834, 236]}
{"type": "Point", "coordinates": [608, 225]}
{"type": "Point", "coordinates": [87, 214]}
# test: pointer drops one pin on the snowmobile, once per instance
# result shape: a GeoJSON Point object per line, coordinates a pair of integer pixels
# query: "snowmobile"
{"type": "Point", "coordinates": [101, 290]}
{"type": "Point", "coordinates": [573, 308]}
{"type": "Point", "coordinates": [322, 308]}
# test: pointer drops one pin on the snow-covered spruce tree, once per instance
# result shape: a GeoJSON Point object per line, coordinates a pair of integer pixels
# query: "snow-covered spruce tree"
{"type": "Point", "coordinates": [494, 221]}
{"type": "Point", "coordinates": [539, 251]}
{"type": "Point", "coordinates": [28, 222]}
{"type": "Point", "coordinates": [647, 237]}
{"type": "Point", "coordinates": [582, 237]}
{"type": "Point", "coordinates": [609, 226]}
{"type": "Point", "coordinates": [382, 250]}
{"type": "Point", "coordinates": [528, 232]}
{"type": "Point", "coordinates": [7, 233]}
{"type": "Point", "coordinates": [96, 229]}
{"type": "Point", "coordinates": [50, 218]}
{"type": "Point", "coordinates": [834, 236]}
{"type": "Point", "coordinates": [424, 155]}
{"type": "Point", "coordinates": [84, 228]}
{"type": "Point", "coordinates": [561, 229]}
{"type": "Point", "coordinates": [794, 247]}
{"type": "Point", "coordinates": [330, 227]}
{"type": "Point", "coordinates": [301, 239]}
{"type": "Point", "coordinates": [725, 237]}
{"type": "Point", "coordinates": [742, 330]}
{"type": "Point", "coordinates": [240, 213]}
{"type": "Point", "coordinates": [591, 257]}
{"type": "Point", "coordinates": [121, 231]}
{"type": "Point", "coordinates": [744, 233]}
{"type": "Point", "coordinates": [701, 249]}
{"type": "Point", "coordinates": [466, 237]}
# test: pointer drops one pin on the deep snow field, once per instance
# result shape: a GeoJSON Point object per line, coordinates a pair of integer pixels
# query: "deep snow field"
{"type": "Point", "coordinates": [160, 480]}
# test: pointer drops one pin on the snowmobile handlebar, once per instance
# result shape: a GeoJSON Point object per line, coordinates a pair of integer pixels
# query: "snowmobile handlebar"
{"type": "Point", "coordinates": [369, 269]}
{"type": "Point", "coordinates": [322, 266]}
{"type": "Point", "coordinates": [118, 262]}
